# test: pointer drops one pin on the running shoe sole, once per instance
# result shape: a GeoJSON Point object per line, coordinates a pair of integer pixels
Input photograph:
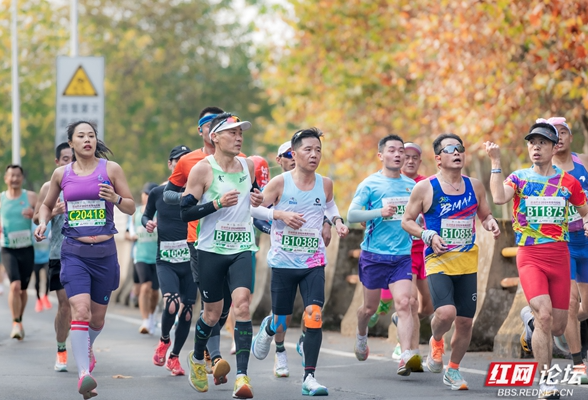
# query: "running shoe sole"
{"type": "Point", "coordinates": [86, 385]}
{"type": "Point", "coordinates": [244, 392]}
{"type": "Point", "coordinates": [220, 371]}
{"type": "Point", "coordinates": [412, 364]}
{"type": "Point", "coordinates": [318, 392]}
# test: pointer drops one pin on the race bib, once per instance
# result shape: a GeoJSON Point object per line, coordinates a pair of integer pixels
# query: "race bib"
{"type": "Point", "coordinates": [20, 239]}
{"type": "Point", "coordinates": [400, 203]}
{"type": "Point", "coordinates": [574, 215]}
{"type": "Point", "coordinates": [174, 252]}
{"type": "Point", "coordinates": [145, 237]}
{"type": "Point", "coordinates": [300, 240]}
{"type": "Point", "coordinates": [233, 235]}
{"type": "Point", "coordinates": [86, 213]}
{"type": "Point", "coordinates": [545, 210]}
{"type": "Point", "coordinates": [457, 231]}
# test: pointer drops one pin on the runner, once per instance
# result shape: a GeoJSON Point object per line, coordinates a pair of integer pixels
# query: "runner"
{"type": "Point", "coordinates": [385, 260]}
{"type": "Point", "coordinates": [171, 195]}
{"type": "Point", "coordinates": [300, 197]}
{"type": "Point", "coordinates": [18, 256]}
{"type": "Point", "coordinates": [222, 183]}
{"type": "Point", "coordinates": [173, 269]}
{"type": "Point", "coordinates": [63, 156]}
{"type": "Point", "coordinates": [542, 195]}
{"type": "Point", "coordinates": [41, 264]}
{"type": "Point", "coordinates": [449, 202]}
{"type": "Point", "coordinates": [91, 186]}
{"type": "Point", "coordinates": [145, 253]}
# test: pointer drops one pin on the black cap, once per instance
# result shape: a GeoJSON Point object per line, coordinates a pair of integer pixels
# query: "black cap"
{"type": "Point", "coordinates": [178, 151]}
{"type": "Point", "coordinates": [544, 129]}
{"type": "Point", "coordinates": [148, 187]}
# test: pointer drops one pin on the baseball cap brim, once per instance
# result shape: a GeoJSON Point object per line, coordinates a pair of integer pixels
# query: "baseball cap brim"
{"type": "Point", "coordinates": [243, 124]}
{"type": "Point", "coordinates": [545, 132]}
{"type": "Point", "coordinates": [413, 146]}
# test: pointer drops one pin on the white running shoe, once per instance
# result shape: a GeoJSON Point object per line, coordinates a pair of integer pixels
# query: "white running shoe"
{"type": "Point", "coordinates": [281, 365]}
{"type": "Point", "coordinates": [260, 345]}
{"type": "Point", "coordinates": [310, 387]}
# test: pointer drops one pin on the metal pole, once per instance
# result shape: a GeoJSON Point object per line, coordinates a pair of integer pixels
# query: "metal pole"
{"type": "Point", "coordinates": [73, 16]}
{"type": "Point", "coordinates": [15, 91]}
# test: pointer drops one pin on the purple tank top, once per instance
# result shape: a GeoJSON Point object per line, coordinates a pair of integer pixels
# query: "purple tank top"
{"type": "Point", "coordinates": [85, 213]}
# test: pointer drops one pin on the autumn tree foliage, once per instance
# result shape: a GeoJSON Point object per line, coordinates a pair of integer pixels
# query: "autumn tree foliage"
{"type": "Point", "coordinates": [484, 70]}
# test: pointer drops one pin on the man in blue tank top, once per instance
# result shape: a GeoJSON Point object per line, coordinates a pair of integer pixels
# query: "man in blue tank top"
{"type": "Point", "coordinates": [18, 256]}
{"type": "Point", "coordinates": [63, 156]}
{"type": "Point", "coordinates": [301, 198]}
{"type": "Point", "coordinates": [385, 261]}
{"type": "Point", "coordinates": [450, 202]}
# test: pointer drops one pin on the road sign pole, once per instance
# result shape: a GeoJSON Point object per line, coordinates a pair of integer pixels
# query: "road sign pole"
{"type": "Point", "coordinates": [15, 91]}
{"type": "Point", "coordinates": [73, 16]}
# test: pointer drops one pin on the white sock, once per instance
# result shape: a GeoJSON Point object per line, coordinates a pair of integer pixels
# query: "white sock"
{"type": "Point", "coordinates": [80, 345]}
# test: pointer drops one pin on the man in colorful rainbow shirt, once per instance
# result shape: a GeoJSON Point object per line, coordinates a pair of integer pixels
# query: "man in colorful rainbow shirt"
{"type": "Point", "coordinates": [542, 196]}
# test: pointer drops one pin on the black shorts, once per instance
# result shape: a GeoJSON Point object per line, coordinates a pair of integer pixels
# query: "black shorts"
{"type": "Point", "coordinates": [136, 279]}
{"type": "Point", "coordinates": [459, 291]}
{"type": "Point", "coordinates": [19, 264]}
{"type": "Point", "coordinates": [193, 261]}
{"type": "Point", "coordinates": [285, 281]}
{"type": "Point", "coordinates": [147, 273]}
{"type": "Point", "coordinates": [53, 275]}
{"type": "Point", "coordinates": [177, 278]}
{"type": "Point", "coordinates": [217, 272]}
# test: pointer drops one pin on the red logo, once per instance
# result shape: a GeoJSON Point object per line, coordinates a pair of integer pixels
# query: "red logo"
{"type": "Point", "coordinates": [511, 373]}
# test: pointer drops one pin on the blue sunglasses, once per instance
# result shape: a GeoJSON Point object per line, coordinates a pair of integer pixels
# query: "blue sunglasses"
{"type": "Point", "coordinates": [287, 154]}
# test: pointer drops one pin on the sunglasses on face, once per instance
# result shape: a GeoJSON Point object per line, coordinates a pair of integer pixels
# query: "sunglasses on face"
{"type": "Point", "coordinates": [287, 154]}
{"type": "Point", "coordinates": [451, 149]}
{"type": "Point", "coordinates": [232, 119]}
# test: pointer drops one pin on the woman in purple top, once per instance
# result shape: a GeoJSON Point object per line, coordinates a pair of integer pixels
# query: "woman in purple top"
{"type": "Point", "coordinates": [91, 187]}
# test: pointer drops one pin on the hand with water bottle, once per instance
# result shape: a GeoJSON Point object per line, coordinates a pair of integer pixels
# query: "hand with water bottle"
{"type": "Point", "coordinates": [107, 192]}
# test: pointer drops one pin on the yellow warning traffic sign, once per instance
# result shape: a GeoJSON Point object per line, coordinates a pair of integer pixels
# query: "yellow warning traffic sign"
{"type": "Point", "coordinates": [80, 85]}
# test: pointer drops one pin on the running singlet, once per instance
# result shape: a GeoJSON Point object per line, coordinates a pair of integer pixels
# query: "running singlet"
{"type": "Point", "coordinates": [575, 223]}
{"type": "Point", "coordinates": [16, 229]}
{"type": "Point", "coordinates": [540, 209]}
{"type": "Point", "coordinates": [146, 246]}
{"type": "Point", "coordinates": [453, 217]}
{"type": "Point", "coordinates": [42, 247]}
{"type": "Point", "coordinates": [55, 235]}
{"type": "Point", "coordinates": [85, 213]}
{"type": "Point", "coordinates": [385, 235]}
{"type": "Point", "coordinates": [418, 246]}
{"type": "Point", "coordinates": [228, 230]}
{"type": "Point", "coordinates": [171, 230]}
{"type": "Point", "coordinates": [179, 177]}
{"type": "Point", "coordinates": [304, 247]}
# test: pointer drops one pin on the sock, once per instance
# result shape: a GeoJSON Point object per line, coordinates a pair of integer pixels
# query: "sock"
{"type": "Point", "coordinates": [80, 345]}
{"type": "Point", "coordinates": [269, 330]}
{"type": "Point", "coordinates": [201, 339]}
{"type": "Point", "coordinates": [577, 358]}
{"type": "Point", "coordinates": [435, 342]}
{"type": "Point", "coordinates": [213, 345]}
{"type": "Point", "coordinates": [452, 365]}
{"type": "Point", "coordinates": [280, 347]}
{"type": "Point", "coordinates": [243, 335]}
{"type": "Point", "coordinates": [19, 320]}
{"type": "Point", "coordinates": [362, 337]}
{"type": "Point", "coordinates": [183, 329]}
{"type": "Point", "coordinates": [165, 339]}
{"type": "Point", "coordinates": [94, 332]}
{"type": "Point", "coordinates": [61, 347]}
{"type": "Point", "coordinates": [312, 346]}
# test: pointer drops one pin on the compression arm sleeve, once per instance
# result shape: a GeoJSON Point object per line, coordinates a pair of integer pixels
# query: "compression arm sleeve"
{"type": "Point", "coordinates": [191, 211]}
{"type": "Point", "coordinates": [263, 213]}
{"type": "Point", "coordinates": [172, 193]}
{"type": "Point", "coordinates": [356, 214]}
{"type": "Point", "coordinates": [262, 225]}
{"type": "Point", "coordinates": [332, 210]}
{"type": "Point", "coordinates": [149, 212]}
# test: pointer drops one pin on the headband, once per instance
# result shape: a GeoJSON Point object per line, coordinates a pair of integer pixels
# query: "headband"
{"type": "Point", "coordinates": [206, 119]}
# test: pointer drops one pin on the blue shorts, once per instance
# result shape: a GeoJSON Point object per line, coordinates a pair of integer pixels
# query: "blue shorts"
{"type": "Point", "coordinates": [578, 246]}
{"type": "Point", "coordinates": [378, 271]}
{"type": "Point", "coordinates": [89, 268]}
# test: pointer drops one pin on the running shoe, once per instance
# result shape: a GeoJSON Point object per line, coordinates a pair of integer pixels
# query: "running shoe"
{"type": "Point", "coordinates": [17, 331]}
{"type": "Point", "coordinates": [260, 345]}
{"type": "Point", "coordinates": [548, 392]}
{"type": "Point", "coordinates": [395, 319]}
{"type": "Point", "coordinates": [92, 360]}
{"type": "Point", "coordinates": [90, 394]}
{"type": "Point", "coordinates": [38, 305]}
{"type": "Point", "coordinates": [161, 353]}
{"type": "Point", "coordinates": [397, 352]}
{"type": "Point", "coordinates": [310, 387]}
{"type": "Point", "coordinates": [220, 370]}
{"type": "Point", "coordinates": [173, 365]}
{"type": "Point", "coordinates": [299, 345]}
{"type": "Point", "coordinates": [208, 362]}
{"type": "Point", "coordinates": [409, 363]}
{"type": "Point", "coordinates": [454, 379]}
{"type": "Point", "coordinates": [61, 361]}
{"type": "Point", "coordinates": [435, 357]}
{"type": "Point", "coordinates": [581, 369]}
{"type": "Point", "coordinates": [361, 348]}
{"type": "Point", "coordinates": [144, 328]}
{"type": "Point", "coordinates": [281, 365]}
{"type": "Point", "coordinates": [527, 334]}
{"type": "Point", "coordinates": [46, 303]}
{"type": "Point", "coordinates": [561, 343]}
{"type": "Point", "coordinates": [243, 389]}
{"type": "Point", "coordinates": [198, 378]}
{"type": "Point", "coordinates": [86, 385]}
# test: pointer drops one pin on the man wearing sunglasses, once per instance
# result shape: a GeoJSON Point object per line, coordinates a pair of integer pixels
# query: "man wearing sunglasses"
{"type": "Point", "coordinates": [449, 202]}
{"type": "Point", "coordinates": [542, 197]}
{"type": "Point", "coordinates": [224, 185]}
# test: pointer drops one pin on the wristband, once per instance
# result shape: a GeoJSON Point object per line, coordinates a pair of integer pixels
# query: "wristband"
{"type": "Point", "coordinates": [496, 171]}
{"type": "Point", "coordinates": [42, 221]}
{"type": "Point", "coordinates": [219, 204]}
{"type": "Point", "coordinates": [119, 200]}
{"type": "Point", "coordinates": [336, 218]}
